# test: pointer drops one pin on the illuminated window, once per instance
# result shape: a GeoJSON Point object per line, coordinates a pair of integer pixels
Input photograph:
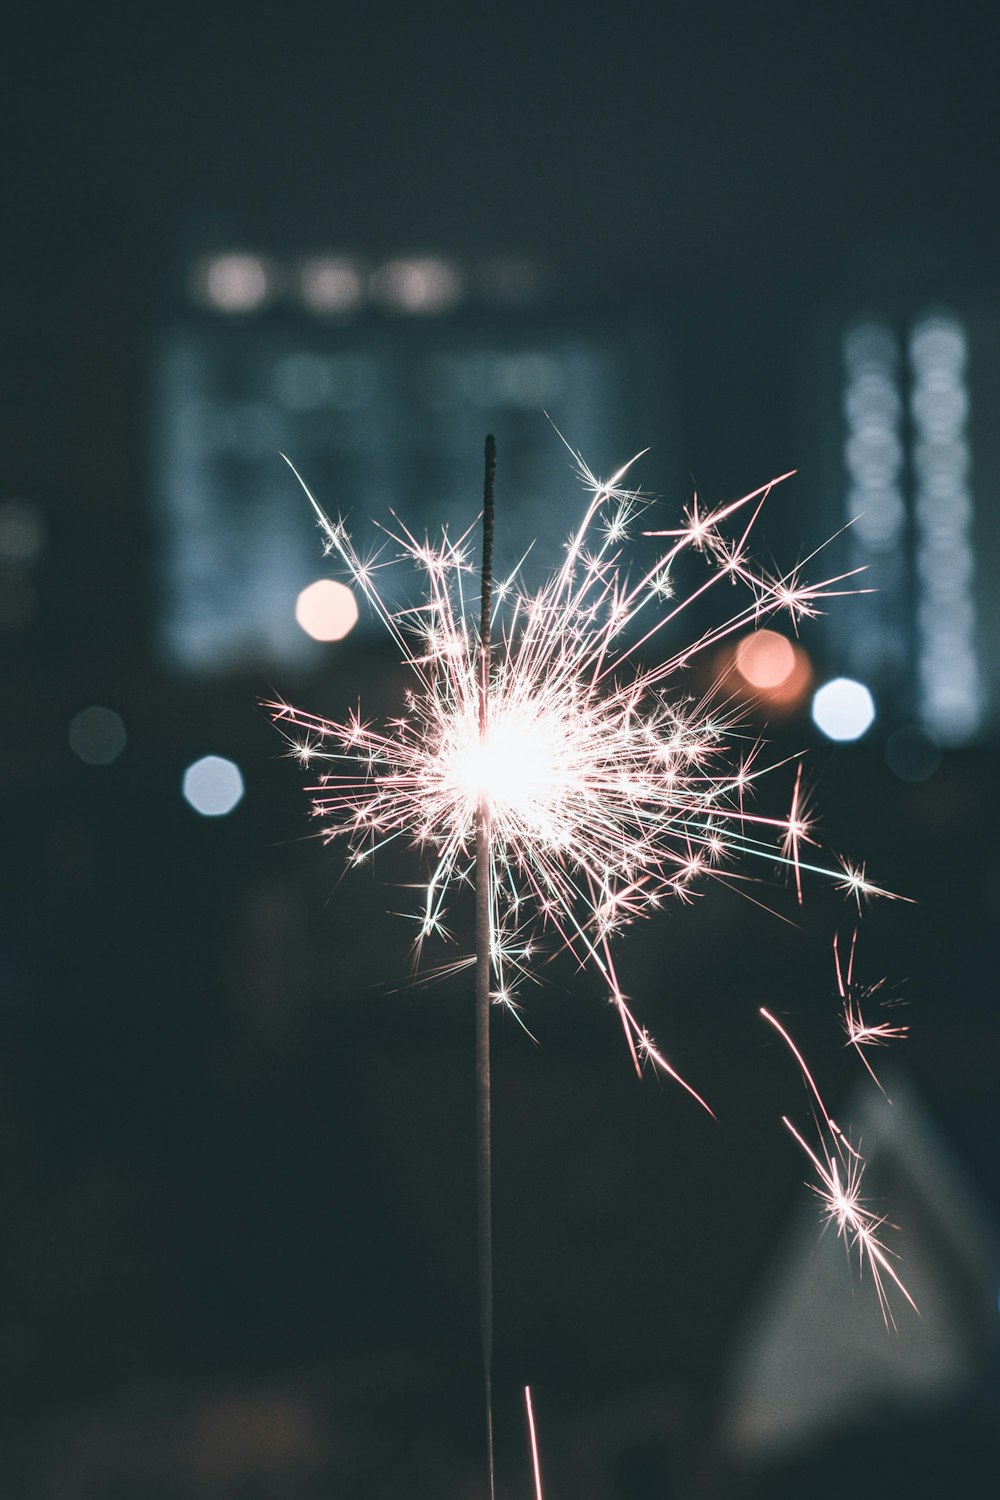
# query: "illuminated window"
{"type": "Point", "coordinates": [331, 286]}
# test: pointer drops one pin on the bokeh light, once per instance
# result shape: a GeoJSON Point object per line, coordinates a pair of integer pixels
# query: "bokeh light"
{"type": "Point", "coordinates": [843, 709]}
{"type": "Point", "coordinates": [950, 689]}
{"type": "Point", "coordinates": [331, 286]}
{"type": "Point", "coordinates": [326, 610]}
{"type": "Point", "coordinates": [97, 735]}
{"type": "Point", "coordinates": [22, 532]}
{"type": "Point", "coordinates": [234, 283]}
{"type": "Point", "coordinates": [912, 753]}
{"type": "Point", "coordinates": [423, 285]}
{"type": "Point", "coordinates": [213, 786]}
{"type": "Point", "coordinates": [769, 673]}
{"type": "Point", "coordinates": [765, 659]}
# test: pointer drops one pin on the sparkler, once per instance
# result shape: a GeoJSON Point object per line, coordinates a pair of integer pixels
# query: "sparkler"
{"type": "Point", "coordinates": [564, 772]}
{"type": "Point", "coordinates": [599, 786]}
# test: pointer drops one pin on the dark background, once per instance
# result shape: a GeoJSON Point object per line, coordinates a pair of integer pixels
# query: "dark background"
{"type": "Point", "coordinates": [234, 1155]}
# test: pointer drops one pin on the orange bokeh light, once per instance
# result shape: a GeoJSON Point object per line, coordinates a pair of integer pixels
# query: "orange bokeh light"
{"type": "Point", "coordinates": [769, 672]}
{"type": "Point", "coordinates": [765, 659]}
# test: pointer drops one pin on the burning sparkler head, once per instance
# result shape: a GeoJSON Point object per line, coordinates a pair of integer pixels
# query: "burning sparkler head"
{"type": "Point", "coordinates": [606, 785]}
{"type": "Point", "coordinates": [519, 767]}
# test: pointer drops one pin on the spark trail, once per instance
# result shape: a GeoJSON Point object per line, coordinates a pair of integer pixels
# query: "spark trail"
{"type": "Point", "coordinates": [853, 995]}
{"type": "Point", "coordinates": [839, 1169]}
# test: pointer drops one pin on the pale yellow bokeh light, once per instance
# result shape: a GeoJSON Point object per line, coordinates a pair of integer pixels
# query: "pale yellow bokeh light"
{"type": "Point", "coordinates": [332, 285]}
{"type": "Point", "coordinates": [765, 659]}
{"type": "Point", "coordinates": [236, 282]}
{"type": "Point", "coordinates": [423, 285]}
{"type": "Point", "coordinates": [326, 610]}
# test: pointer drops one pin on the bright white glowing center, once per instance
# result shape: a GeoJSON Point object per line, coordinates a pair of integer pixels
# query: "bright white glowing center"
{"type": "Point", "coordinates": [516, 768]}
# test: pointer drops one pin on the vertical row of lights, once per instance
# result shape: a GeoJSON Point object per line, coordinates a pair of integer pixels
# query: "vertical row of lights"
{"type": "Point", "coordinates": [844, 708]}
{"type": "Point", "coordinates": [874, 456]}
{"type": "Point", "coordinates": [949, 687]}
{"type": "Point", "coordinates": [948, 690]}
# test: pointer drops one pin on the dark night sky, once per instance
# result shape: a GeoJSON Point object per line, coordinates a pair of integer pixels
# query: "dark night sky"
{"type": "Point", "coordinates": [746, 161]}
{"type": "Point", "coordinates": [688, 140]}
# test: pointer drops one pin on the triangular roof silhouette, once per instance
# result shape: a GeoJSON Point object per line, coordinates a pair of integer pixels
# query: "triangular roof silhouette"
{"type": "Point", "coordinates": [815, 1354]}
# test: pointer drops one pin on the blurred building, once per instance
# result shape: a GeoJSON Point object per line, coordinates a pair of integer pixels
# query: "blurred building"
{"type": "Point", "coordinates": [379, 379]}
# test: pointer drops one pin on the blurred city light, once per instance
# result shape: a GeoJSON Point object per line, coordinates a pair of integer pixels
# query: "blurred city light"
{"type": "Point", "coordinates": [234, 283]}
{"type": "Point", "coordinates": [843, 709]}
{"type": "Point", "coordinates": [97, 735]}
{"type": "Point", "coordinates": [912, 753]}
{"type": "Point", "coordinates": [326, 610]}
{"type": "Point", "coordinates": [765, 659]}
{"type": "Point", "coordinates": [950, 694]}
{"type": "Point", "coordinates": [306, 382]}
{"type": "Point", "coordinates": [874, 633]}
{"type": "Point", "coordinates": [420, 286]}
{"type": "Point", "coordinates": [331, 285]}
{"type": "Point", "coordinates": [22, 532]}
{"type": "Point", "coordinates": [873, 448]}
{"type": "Point", "coordinates": [771, 674]}
{"type": "Point", "coordinates": [524, 379]}
{"type": "Point", "coordinates": [213, 786]}
{"type": "Point", "coordinates": [910, 504]}
{"type": "Point", "coordinates": [302, 381]}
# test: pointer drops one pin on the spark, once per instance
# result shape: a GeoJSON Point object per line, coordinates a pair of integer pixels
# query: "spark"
{"type": "Point", "coordinates": [862, 1033]}
{"type": "Point", "coordinates": [797, 831]}
{"type": "Point", "coordinates": [840, 1167]}
{"type": "Point", "coordinates": [609, 786]}
{"type": "Point", "coordinates": [854, 880]}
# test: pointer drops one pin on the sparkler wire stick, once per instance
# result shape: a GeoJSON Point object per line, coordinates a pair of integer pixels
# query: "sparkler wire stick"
{"type": "Point", "coordinates": [484, 959]}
